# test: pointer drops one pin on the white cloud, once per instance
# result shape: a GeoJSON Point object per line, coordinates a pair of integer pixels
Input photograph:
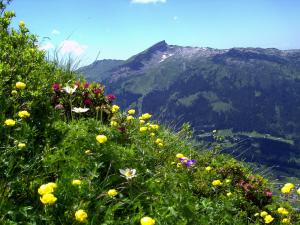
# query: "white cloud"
{"type": "Point", "coordinates": [73, 47]}
{"type": "Point", "coordinates": [175, 18]}
{"type": "Point", "coordinates": [55, 32]}
{"type": "Point", "coordinates": [46, 46]}
{"type": "Point", "coordinates": [147, 1]}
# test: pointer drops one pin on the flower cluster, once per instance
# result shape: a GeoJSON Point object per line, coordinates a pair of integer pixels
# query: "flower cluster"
{"type": "Point", "coordinates": [46, 192]}
{"type": "Point", "coordinates": [265, 216]}
{"type": "Point", "coordinates": [83, 99]}
{"type": "Point", "coordinates": [183, 160]}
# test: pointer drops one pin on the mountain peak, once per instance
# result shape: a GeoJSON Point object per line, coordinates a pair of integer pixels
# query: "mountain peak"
{"type": "Point", "coordinates": [159, 46]}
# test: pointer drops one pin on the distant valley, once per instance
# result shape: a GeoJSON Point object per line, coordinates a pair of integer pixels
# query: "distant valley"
{"type": "Point", "coordinates": [246, 93]}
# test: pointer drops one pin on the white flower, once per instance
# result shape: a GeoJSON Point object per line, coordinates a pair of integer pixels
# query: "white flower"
{"type": "Point", "coordinates": [70, 90]}
{"type": "Point", "coordinates": [80, 110]}
{"type": "Point", "coordinates": [128, 173]}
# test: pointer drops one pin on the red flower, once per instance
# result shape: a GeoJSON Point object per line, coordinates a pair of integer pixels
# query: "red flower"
{"type": "Point", "coordinates": [87, 101]}
{"type": "Point", "coordinates": [110, 97]}
{"type": "Point", "coordinates": [56, 86]}
{"type": "Point", "coordinates": [86, 85]}
{"type": "Point", "coordinates": [97, 91]}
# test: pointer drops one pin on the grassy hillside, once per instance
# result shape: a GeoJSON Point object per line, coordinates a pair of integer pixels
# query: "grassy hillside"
{"type": "Point", "coordinates": [71, 156]}
{"type": "Point", "coordinates": [243, 89]}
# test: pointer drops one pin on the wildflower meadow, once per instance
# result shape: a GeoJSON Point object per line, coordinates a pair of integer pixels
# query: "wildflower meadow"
{"type": "Point", "coordinates": [71, 155]}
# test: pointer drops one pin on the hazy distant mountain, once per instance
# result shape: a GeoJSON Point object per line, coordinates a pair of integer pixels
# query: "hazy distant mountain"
{"type": "Point", "coordinates": [242, 89]}
{"type": "Point", "coordinates": [99, 67]}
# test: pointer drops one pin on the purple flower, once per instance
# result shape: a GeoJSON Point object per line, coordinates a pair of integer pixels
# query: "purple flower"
{"type": "Point", "coordinates": [190, 162]}
{"type": "Point", "coordinates": [182, 159]}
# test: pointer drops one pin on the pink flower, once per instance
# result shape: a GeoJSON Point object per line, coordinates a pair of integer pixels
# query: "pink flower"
{"type": "Point", "coordinates": [268, 193]}
{"type": "Point", "coordinates": [56, 86]}
{"type": "Point", "coordinates": [110, 97]}
{"type": "Point", "coordinates": [87, 101]}
{"type": "Point", "coordinates": [59, 106]}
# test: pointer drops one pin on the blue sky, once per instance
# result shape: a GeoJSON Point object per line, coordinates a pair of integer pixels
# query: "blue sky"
{"type": "Point", "coordinates": [122, 28]}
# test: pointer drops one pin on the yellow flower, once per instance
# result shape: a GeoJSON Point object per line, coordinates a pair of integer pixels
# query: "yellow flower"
{"type": "Point", "coordinates": [282, 211]}
{"type": "Point", "coordinates": [268, 219]}
{"type": "Point", "coordinates": [101, 138]}
{"type": "Point", "coordinates": [47, 188]}
{"type": "Point", "coordinates": [23, 114]}
{"type": "Point", "coordinates": [263, 213]}
{"type": "Point", "coordinates": [76, 182]}
{"type": "Point", "coordinates": [161, 145]}
{"type": "Point", "coordinates": [113, 123]}
{"type": "Point", "coordinates": [298, 191]}
{"type": "Point", "coordinates": [131, 111]}
{"type": "Point", "coordinates": [208, 168]}
{"type": "Point", "coordinates": [152, 134]}
{"type": "Point", "coordinates": [48, 199]}
{"type": "Point", "coordinates": [80, 215]}
{"type": "Point", "coordinates": [143, 129]}
{"type": "Point", "coordinates": [20, 85]}
{"type": "Point", "coordinates": [285, 190]}
{"type": "Point", "coordinates": [217, 183]}
{"type": "Point", "coordinates": [285, 220]}
{"type": "Point", "coordinates": [88, 152]}
{"type": "Point", "coordinates": [179, 155]}
{"type": "Point", "coordinates": [229, 194]}
{"type": "Point", "coordinates": [10, 122]}
{"type": "Point", "coordinates": [52, 184]}
{"type": "Point", "coordinates": [21, 145]}
{"type": "Point", "coordinates": [22, 23]}
{"type": "Point", "coordinates": [112, 192]}
{"type": "Point", "coordinates": [115, 108]}
{"type": "Point", "coordinates": [129, 118]}
{"type": "Point", "coordinates": [289, 185]}
{"type": "Point", "coordinates": [142, 121]}
{"type": "Point", "coordinates": [147, 221]}
{"type": "Point", "coordinates": [146, 116]}
{"type": "Point", "coordinates": [158, 140]}
{"type": "Point", "coordinates": [153, 126]}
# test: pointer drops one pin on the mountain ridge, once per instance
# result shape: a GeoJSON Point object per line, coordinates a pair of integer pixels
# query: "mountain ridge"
{"type": "Point", "coordinates": [243, 89]}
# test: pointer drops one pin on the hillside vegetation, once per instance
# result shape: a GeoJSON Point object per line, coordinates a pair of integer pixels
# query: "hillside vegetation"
{"type": "Point", "coordinates": [69, 155]}
{"type": "Point", "coordinates": [246, 90]}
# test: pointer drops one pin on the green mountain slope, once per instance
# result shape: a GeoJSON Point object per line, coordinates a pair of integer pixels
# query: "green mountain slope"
{"type": "Point", "coordinates": [242, 89]}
